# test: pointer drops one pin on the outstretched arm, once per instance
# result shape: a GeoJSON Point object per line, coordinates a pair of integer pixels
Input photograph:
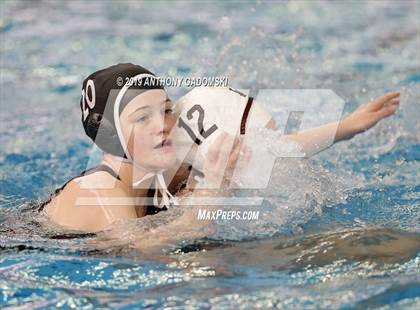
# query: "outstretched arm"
{"type": "Point", "coordinates": [366, 116]}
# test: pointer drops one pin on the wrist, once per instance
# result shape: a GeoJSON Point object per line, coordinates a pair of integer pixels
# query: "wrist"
{"type": "Point", "coordinates": [345, 129]}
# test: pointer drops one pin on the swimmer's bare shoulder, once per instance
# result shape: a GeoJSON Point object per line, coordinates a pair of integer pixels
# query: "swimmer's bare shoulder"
{"type": "Point", "coordinates": [84, 203]}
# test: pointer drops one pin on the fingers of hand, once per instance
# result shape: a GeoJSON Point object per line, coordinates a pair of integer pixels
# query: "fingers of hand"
{"type": "Point", "coordinates": [379, 102]}
{"type": "Point", "coordinates": [212, 155]}
{"type": "Point", "coordinates": [390, 108]}
{"type": "Point", "coordinates": [247, 153]}
{"type": "Point", "coordinates": [387, 111]}
{"type": "Point", "coordinates": [361, 107]}
{"type": "Point", "coordinates": [235, 153]}
{"type": "Point", "coordinates": [244, 157]}
{"type": "Point", "coordinates": [217, 157]}
{"type": "Point", "coordinates": [394, 102]}
{"type": "Point", "coordinates": [213, 152]}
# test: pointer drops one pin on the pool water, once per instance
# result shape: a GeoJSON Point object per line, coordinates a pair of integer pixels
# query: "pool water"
{"type": "Point", "coordinates": [349, 237]}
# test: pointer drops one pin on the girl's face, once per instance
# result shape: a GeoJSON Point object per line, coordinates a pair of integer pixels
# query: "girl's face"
{"type": "Point", "coordinates": [147, 123]}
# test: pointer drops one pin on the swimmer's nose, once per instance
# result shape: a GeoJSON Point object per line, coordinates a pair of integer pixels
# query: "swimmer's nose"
{"type": "Point", "coordinates": [163, 126]}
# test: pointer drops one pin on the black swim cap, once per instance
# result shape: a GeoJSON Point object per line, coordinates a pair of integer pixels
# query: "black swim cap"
{"type": "Point", "coordinates": [100, 91]}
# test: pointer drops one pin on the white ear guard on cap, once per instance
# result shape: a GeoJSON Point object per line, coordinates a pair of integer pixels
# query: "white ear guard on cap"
{"type": "Point", "coordinates": [160, 184]}
{"type": "Point", "coordinates": [117, 110]}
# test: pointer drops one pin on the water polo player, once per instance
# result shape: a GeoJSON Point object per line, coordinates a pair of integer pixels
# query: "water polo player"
{"type": "Point", "coordinates": [132, 125]}
{"type": "Point", "coordinates": [205, 112]}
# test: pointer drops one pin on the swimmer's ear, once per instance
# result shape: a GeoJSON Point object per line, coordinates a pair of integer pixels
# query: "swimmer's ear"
{"type": "Point", "coordinates": [93, 123]}
{"type": "Point", "coordinates": [104, 134]}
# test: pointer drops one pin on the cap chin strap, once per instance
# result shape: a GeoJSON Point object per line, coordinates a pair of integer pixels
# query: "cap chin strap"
{"type": "Point", "coordinates": [160, 185]}
{"type": "Point", "coordinates": [167, 197]}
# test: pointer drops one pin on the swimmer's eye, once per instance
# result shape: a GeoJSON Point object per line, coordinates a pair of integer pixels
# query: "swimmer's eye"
{"type": "Point", "coordinates": [167, 111]}
{"type": "Point", "coordinates": [142, 119]}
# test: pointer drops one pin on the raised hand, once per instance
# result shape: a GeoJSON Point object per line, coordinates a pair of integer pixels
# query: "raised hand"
{"type": "Point", "coordinates": [368, 114]}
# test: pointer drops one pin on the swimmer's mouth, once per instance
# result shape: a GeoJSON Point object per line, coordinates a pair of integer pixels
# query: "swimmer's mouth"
{"type": "Point", "coordinates": [166, 142]}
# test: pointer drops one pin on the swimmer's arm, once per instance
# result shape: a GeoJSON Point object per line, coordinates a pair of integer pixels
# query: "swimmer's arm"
{"type": "Point", "coordinates": [90, 210]}
{"type": "Point", "coordinates": [365, 117]}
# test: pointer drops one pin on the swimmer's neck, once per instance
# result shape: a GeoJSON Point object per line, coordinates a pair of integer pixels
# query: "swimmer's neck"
{"type": "Point", "coordinates": [125, 170]}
